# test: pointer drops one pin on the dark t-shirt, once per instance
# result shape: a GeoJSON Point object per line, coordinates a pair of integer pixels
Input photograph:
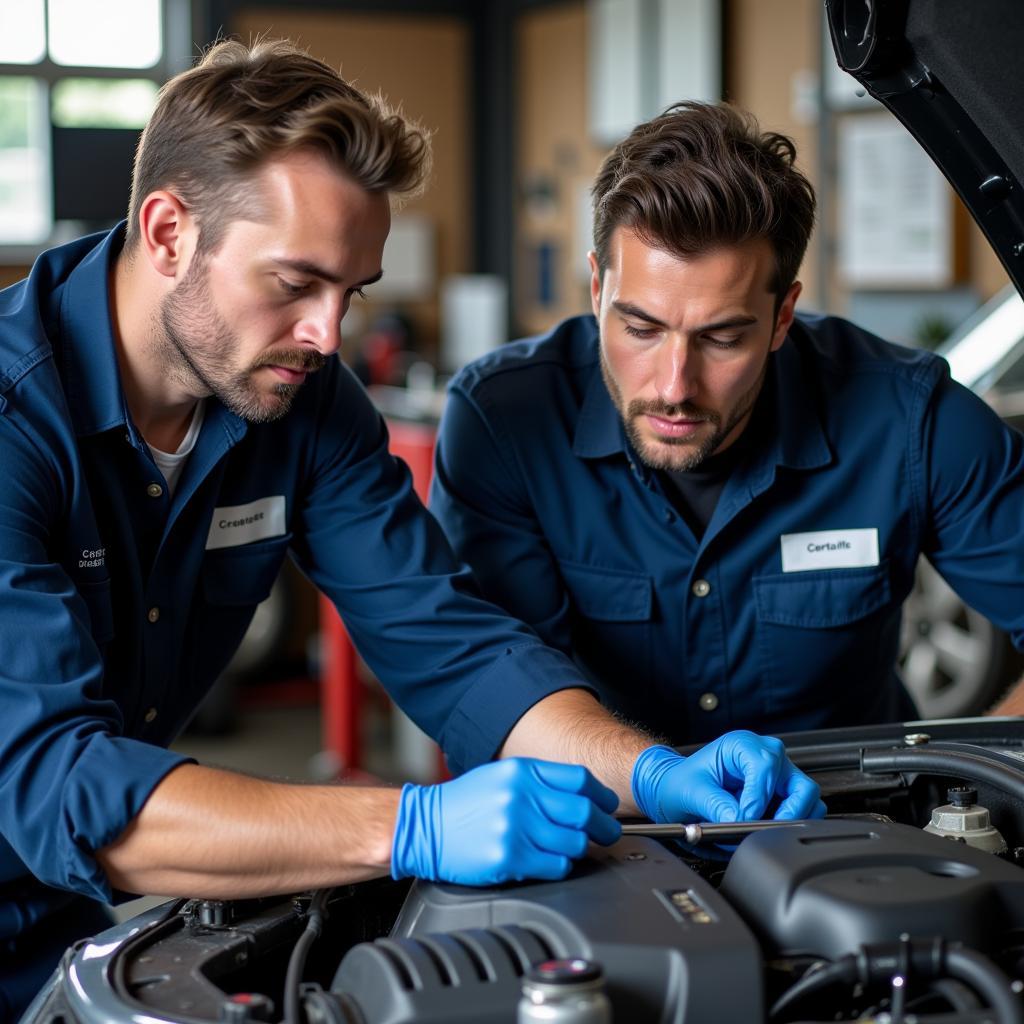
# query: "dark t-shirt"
{"type": "Point", "coordinates": [695, 492]}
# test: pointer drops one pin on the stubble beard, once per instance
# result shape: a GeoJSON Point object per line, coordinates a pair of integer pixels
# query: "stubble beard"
{"type": "Point", "coordinates": [677, 454]}
{"type": "Point", "coordinates": [198, 347]}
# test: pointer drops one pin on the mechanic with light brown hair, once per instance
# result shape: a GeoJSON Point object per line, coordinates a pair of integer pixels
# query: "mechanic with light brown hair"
{"type": "Point", "coordinates": [715, 504]}
{"type": "Point", "coordinates": [173, 423]}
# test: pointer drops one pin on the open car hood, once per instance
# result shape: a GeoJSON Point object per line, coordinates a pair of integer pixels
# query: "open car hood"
{"type": "Point", "coordinates": [950, 72]}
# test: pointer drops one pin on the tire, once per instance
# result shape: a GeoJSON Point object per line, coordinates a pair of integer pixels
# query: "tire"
{"type": "Point", "coordinates": [954, 662]}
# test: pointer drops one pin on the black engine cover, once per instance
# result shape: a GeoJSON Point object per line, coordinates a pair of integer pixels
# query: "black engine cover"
{"type": "Point", "coordinates": [826, 889]}
{"type": "Point", "coordinates": [672, 949]}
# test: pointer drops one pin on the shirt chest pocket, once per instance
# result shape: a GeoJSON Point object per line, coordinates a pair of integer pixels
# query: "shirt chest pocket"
{"type": "Point", "coordinates": [242, 576]}
{"type": "Point", "coordinates": [610, 615]}
{"type": "Point", "coordinates": [607, 595]}
{"type": "Point", "coordinates": [823, 636]}
{"type": "Point", "coordinates": [826, 599]}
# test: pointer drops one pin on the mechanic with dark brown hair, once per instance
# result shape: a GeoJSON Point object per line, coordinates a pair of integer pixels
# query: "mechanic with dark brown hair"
{"type": "Point", "coordinates": [713, 504]}
{"type": "Point", "coordinates": [173, 423]}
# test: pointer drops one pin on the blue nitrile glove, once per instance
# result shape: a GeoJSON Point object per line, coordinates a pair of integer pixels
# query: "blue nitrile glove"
{"type": "Point", "coordinates": [504, 821]}
{"type": "Point", "coordinates": [735, 778]}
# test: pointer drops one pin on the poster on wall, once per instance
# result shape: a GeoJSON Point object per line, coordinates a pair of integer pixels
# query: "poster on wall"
{"type": "Point", "coordinates": [895, 220]}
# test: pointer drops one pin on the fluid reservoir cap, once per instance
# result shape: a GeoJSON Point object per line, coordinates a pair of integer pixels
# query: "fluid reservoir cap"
{"type": "Point", "coordinates": [565, 972]}
{"type": "Point", "coordinates": [962, 796]}
{"type": "Point", "coordinates": [966, 821]}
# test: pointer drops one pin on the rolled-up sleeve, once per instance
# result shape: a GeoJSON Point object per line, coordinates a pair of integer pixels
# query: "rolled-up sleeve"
{"type": "Point", "coordinates": [461, 668]}
{"type": "Point", "coordinates": [70, 782]}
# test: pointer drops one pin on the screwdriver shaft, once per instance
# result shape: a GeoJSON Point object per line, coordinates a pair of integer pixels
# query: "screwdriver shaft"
{"type": "Point", "coordinates": [706, 830]}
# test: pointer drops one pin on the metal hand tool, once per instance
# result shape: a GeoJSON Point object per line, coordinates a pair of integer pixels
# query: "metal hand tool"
{"type": "Point", "coordinates": [716, 831]}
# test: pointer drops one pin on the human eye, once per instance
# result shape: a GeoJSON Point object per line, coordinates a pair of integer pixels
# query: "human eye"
{"type": "Point", "coordinates": [291, 288]}
{"type": "Point", "coordinates": [357, 291]}
{"type": "Point", "coordinates": [639, 332]}
{"type": "Point", "coordinates": [724, 341]}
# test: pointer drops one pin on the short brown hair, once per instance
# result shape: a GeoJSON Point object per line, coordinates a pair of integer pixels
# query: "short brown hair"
{"type": "Point", "coordinates": [216, 124]}
{"type": "Point", "coordinates": [703, 175]}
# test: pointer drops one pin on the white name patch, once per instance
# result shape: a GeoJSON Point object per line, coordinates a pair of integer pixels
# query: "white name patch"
{"type": "Point", "coordinates": [829, 549]}
{"type": "Point", "coordinates": [242, 524]}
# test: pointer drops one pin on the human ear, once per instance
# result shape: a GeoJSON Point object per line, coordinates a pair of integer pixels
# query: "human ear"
{"type": "Point", "coordinates": [166, 233]}
{"type": "Point", "coordinates": [595, 284]}
{"type": "Point", "coordinates": [787, 310]}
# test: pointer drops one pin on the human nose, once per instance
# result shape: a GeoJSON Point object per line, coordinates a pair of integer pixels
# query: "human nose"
{"type": "Point", "coordinates": [675, 372]}
{"type": "Point", "coordinates": [321, 327]}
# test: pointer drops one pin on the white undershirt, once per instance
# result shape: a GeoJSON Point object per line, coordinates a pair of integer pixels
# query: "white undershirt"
{"type": "Point", "coordinates": [172, 464]}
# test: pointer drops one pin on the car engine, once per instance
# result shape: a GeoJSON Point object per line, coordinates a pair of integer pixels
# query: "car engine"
{"type": "Point", "coordinates": [905, 904]}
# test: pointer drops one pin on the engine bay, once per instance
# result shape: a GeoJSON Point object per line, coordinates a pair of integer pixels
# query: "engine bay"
{"type": "Point", "coordinates": [906, 903]}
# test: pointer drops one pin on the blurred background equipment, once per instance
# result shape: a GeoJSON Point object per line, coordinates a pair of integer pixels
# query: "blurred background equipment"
{"type": "Point", "coordinates": [524, 97]}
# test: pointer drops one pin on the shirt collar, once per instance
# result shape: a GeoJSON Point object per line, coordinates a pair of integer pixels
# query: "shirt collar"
{"type": "Point", "coordinates": [92, 381]}
{"type": "Point", "coordinates": [599, 430]}
{"type": "Point", "coordinates": [799, 441]}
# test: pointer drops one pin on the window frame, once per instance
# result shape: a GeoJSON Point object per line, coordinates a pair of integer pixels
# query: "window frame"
{"type": "Point", "coordinates": [176, 56]}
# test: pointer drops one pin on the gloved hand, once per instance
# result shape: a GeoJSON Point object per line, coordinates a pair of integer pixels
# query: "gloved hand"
{"type": "Point", "coordinates": [504, 821]}
{"type": "Point", "coordinates": [734, 778]}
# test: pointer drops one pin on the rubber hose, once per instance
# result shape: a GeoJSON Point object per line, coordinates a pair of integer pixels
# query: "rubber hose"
{"type": "Point", "coordinates": [959, 763]}
{"type": "Point", "coordinates": [987, 979]}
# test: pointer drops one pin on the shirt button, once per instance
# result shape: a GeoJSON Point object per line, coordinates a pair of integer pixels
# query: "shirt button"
{"type": "Point", "coordinates": [153, 614]}
{"type": "Point", "coordinates": [701, 588]}
{"type": "Point", "coordinates": [150, 714]}
{"type": "Point", "coordinates": [154, 490]}
{"type": "Point", "coordinates": [708, 702]}
{"type": "Point", "coordinates": [669, 515]}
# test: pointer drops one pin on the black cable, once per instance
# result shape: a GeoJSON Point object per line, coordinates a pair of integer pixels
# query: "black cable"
{"type": "Point", "coordinates": [898, 981]}
{"type": "Point", "coordinates": [927, 958]}
{"type": "Point", "coordinates": [959, 996]}
{"type": "Point", "coordinates": [142, 937]}
{"type": "Point", "coordinates": [987, 979]}
{"type": "Point", "coordinates": [817, 978]}
{"type": "Point", "coordinates": [297, 961]}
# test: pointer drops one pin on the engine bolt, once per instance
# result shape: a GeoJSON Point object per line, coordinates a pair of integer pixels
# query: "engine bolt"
{"type": "Point", "coordinates": [916, 739]}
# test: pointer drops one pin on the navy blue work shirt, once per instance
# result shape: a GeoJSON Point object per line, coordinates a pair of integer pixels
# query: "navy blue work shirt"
{"type": "Point", "coordinates": [119, 605]}
{"type": "Point", "coordinates": [785, 614]}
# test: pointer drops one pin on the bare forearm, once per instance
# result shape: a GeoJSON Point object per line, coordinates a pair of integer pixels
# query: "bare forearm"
{"type": "Point", "coordinates": [1012, 702]}
{"type": "Point", "coordinates": [572, 726]}
{"type": "Point", "coordinates": [210, 833]}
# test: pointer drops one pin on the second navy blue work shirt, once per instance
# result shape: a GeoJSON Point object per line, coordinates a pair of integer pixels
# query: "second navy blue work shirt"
{"type": "Point", "coordinates": [785, 614]}
{"type": "Point", "coordinates": [119, 605]}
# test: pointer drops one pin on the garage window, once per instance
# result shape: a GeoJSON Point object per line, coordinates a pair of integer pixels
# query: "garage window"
{"type": "Point", "coordinates": [78, 80]}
